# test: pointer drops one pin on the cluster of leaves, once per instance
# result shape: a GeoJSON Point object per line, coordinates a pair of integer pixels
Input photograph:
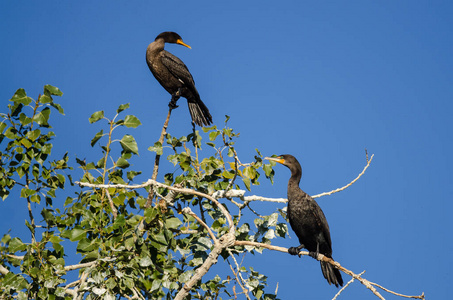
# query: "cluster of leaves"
{"type": "Point", "coordinates": [25, 130]}
{"type": "Point", "coordinates": [221, 171]}
{"type": "Point", "coordinates": [127, 247]}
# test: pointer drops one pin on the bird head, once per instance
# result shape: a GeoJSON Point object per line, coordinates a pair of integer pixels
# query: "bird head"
{"type": "Point", "coordinates": [172, 37]}
{"type": "Point", "coordinates": [287, 160]}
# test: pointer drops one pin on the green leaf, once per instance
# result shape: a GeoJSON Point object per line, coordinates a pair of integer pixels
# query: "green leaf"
{"type": "Point", "coordinates": [24, 193]}
{"type": "Point", "coordinates": [122, 163]}
{"type": "Point", "coordinates": [42, 117]}
{"type": "Point", "coordinates": [132, 174]}
{"type": "Point", "coordinates": [45, 99]}
{"type": "Point", "coordinates": [249, 172]}
{"type": "Point", "coordinates": [58, 107]}
{"type": "Point", "coordinates": [129, 144]}
{"type": "Point", "coordinates": [228, 174]}
{"type": "Point", "coordinates": [96, 116]}
{"type": "Point", "coordinates": [122, 107]}
{"type": "Point", "coordinates": [132, 121]}
{"type": "Point", "coordinates": [77, 234]}
{"type": "Point", "coordinates": [206, 129]}
{"type": "Point", "coordinates": [213, 135]}
{"type": "Point", "coordinates": [35, 198]}
{"type": "Point", "coordinates": [53, 90]}
{"type": "Point", "coordinates": [97, 137]}
{"type": "Point", "coordinates": [33, 135]}
{"type": "Point", "coordinates": [145, 261]}
{"type": "Point", "coordinates": [16, 245]}
{"type": "Point", "coordinates": [20, 97]}
{"type": "Point", "coordinates": [2, 127]}
{"type": "Point", "coordinates": [247, 183]}
{"type": "Point", "coordinates": [24, 120]}
{"type": "Point", "coordinates": [11, 133]}
{"type": "Point", "coordinates": [47, 148]}
{"type": "Point", "coordinates": [173, 223]}
{"type": "Point", "coordinates": [24, 141]}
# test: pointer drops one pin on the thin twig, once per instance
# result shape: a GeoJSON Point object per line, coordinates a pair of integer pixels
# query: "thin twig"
{"type": "Point", "coordinates": [324, 258]}
{"type": "Point", "coordinates": [79, 266]}
{"type": "Point", "coordinates": [345, 286]}
{"type": "Point", "coordinates": [422, 296]}
{"type": "Point", "coordinates": [238, 274]}
{"type": "Point", "coordinates": [241, 193]}
{"type": "Point", "coordinates": [3, 270]}
{"type": "Point", "coordinates": [152, 182]}
{"type": "Point", "coordinates": [349, 184]}
{"type": "Point", "coordinates": [112, 205]}
{"type": "Point", "coordinates": [157, 159]}
{"type": "Point", "coordinates": [188, 211]}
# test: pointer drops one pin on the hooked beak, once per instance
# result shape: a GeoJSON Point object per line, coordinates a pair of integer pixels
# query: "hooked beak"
{"type": "Point", "coordinates": [278, 159]}
{"type": "Point", "coordinates": [180, 42]}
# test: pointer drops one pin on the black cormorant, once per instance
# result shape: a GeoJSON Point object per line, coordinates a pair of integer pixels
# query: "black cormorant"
{"type": "Point", "coordinates": [174, 76]}
{"type": "Point", "coordinates": [308, 221]}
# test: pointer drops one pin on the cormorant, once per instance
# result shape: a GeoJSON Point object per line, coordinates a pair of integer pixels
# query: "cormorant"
{"type": "Point", "coordinates": [308, 221]}
{"type": "Point", "coordinates": [174, 76]}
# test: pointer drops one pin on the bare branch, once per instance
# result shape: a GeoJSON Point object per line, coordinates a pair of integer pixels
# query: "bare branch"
{"type": "Point", "coordinates": [324, 258]}
{"type": "Point", "coordinates": [157, 159]}
{"type": "Point", "coordinates": [112, 205]}
{"type": "Point", "coordinates": [241, 193]}
{"type": "Point", "coordinates": [152, 182]}
{"type": "Point", "coordinates": [224, 242]}
{"type": "Point", "coordinates": [78, 285]}
{"type": "Point", "coordinates": [21, 257]}
{"type": "Point", "coordinates": [79, 266]}
{"type": "Point", "coordinates": [345, 286]}
{"type": "Point", "coordinates": [3, 270]}
{"type": "Point", "coordinates": [188, 211]}
{"type": "Point", "coordinates": [422, 296]}
{"type": "Point", "coordinates": [238, 274]}
{"type": "Point", "coordinates": [349, 184]}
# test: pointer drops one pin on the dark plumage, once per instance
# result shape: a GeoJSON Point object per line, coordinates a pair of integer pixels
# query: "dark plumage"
{"type": "Point", "coordinates": [174, 76]}
{"type": "Point", "coordinates": [307, 220]}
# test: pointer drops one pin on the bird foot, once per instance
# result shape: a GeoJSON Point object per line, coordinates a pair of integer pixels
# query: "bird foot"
{"type": "Point", "coordinates": [173, 105]}
{"type": "Point", "coordinates": [294, 251]}
{"type": "Point", "coordinates": [174, 98]}
{"type": "Point", "coordinates": [173, 101]}
{"type": "Point", "coordinates": [313, 254]}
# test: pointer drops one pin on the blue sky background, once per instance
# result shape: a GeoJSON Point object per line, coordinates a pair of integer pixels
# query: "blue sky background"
{"type": "Point", "coordinates": [319, 80]}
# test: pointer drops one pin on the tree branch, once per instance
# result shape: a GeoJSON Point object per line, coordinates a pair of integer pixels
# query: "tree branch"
{"type": "Point", "coordinates": [3, 270]}
{"type": "Point", "coordinates": [239, 278]}
{"type": "Point", "coordinates": [157, 159]}
{"type": "Point", "coordinates": [365, 282]}
{"type": "Point", "coordinates": [224, 242]}
{"type": "Point", "coordinates": [188, 211]}
{"type": "Point", "coordinates": [349, 184]}
{"type": "Point", "coordinates": [240, 193]}
{"type": "Point", "coordinates": [112, 205]}
{"type": "Point", "coordinates": [152, 182]}
{"type": "Point", "coordinates": [345, 286]}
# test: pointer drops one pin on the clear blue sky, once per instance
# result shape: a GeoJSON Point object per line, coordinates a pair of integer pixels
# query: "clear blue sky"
{"type": "Point", "coordinates": [319, 80]}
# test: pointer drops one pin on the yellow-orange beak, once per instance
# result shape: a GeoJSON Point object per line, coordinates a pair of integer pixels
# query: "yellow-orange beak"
{"type": "Point", "coordinates": [182, 43]}
{"type": "Point", "coordinates": [278, 159]}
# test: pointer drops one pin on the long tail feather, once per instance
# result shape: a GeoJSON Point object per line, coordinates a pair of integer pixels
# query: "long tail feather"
{"type": "Point", "coordinates": [332, 274]}
{"type": "Point", "coordinates": [199, 113]}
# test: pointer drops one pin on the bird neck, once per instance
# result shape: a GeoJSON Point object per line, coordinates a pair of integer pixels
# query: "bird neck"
{"type": "Point", "coordinates": [156, 46]}
{"type": "Point", "coordinates": [294, 180]}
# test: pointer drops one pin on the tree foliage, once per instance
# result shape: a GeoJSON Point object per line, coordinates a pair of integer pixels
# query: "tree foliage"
{"type": "Point", "coordinates": [106, 242]}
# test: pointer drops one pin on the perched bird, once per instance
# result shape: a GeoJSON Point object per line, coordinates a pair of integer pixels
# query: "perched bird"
{"type": "Point", "coordinates": [174, 76]}
{"type": "Point", "coordinates": [308, 221]}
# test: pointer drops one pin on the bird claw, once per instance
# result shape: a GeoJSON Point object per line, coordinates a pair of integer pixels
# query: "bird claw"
{"type": "Point", "coordinates": [174, 99]}
{"type": "Point", "coordinates": [313, 254]}
{"type": "Point", "coordinates": [172, 104]}
{"type": "Point", "coordinates": [294, 251]}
